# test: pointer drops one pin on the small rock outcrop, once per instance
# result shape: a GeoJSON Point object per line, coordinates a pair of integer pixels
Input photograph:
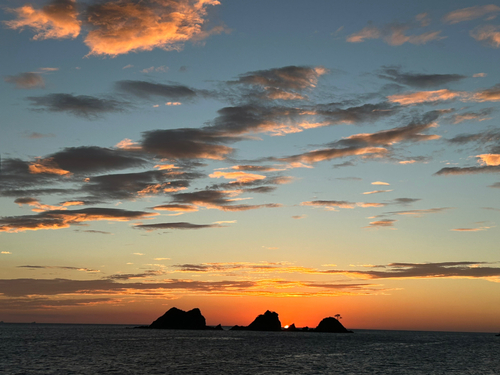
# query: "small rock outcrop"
{"type": "Point", "coordinates": [269, 321]}
{"type": "Point", "coordinates": [179, 319]}
{"type": "Point", "coordinates": [331, 325]}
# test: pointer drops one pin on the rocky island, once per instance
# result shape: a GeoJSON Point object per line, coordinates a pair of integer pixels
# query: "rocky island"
{"type": "Point", "coordinates": [269, 321]}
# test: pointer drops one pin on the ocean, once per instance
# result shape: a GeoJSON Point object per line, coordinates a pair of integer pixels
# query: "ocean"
{"type": "Point", "coordinates": [115, 349]}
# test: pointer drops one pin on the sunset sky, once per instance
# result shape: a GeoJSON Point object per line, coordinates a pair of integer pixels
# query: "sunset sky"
{"type": "Point", "coordinates": [305, 157]}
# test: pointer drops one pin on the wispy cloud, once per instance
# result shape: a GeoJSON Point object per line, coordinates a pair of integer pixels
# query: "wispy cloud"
{"type": "Point", "coordinates": [471, 13]}
{"type": "Point", "coordinates": [28, 80]}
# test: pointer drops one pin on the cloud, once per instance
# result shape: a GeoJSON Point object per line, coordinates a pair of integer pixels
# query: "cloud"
{"type": "Point", "coordinates": [477, 75]}
{"type": "Point", "coordinates": [151, 69]}
{"type": "Point", "coordinates": [86, 159]}
{"type": "Point", "coordinates": [56, 20]}
{"type": "Point", "coordinates": [489, 159]}
{"type": "Point", "coordinates": [120, 27]}
{"type": "Point", "coordinates": [468, 170]}
{"type": "Point", "coordinates": [332, 205]}
{"type": "Point", "coordinates": [408, 133]}
{"type": "Point", "coordinates": [240, 177]}
{"type": "Point", "coordinates": [176, 207]}
{"type": "Point", "coordinates": [36, 135]}
{"type": "Point", "coordinates": [428, 270]}
{"type": "Point", "coordinates": [394, 34]}
{"type": "Point", "coordinates": [61, 268]}
{"type": "Point", "coordinates": [415, 213]}
{"type": "Point", "coordinates": [495, 185]}
{"type": "Point", "coordinates": [481, 115]}
{"type": "Point", "coordinates": [186, 143]}
{"type": "Point", "coordinates": [467, 14]}
{"type": "Point", "coordinates": [216, 199]}
{"type": "Point", "coordinates": [297, 217]}
{"type": "Point", "coordinates": [393, 73]}
{"type": "Point", "coordinates": [480, 229]}
{"type": "Point", "coordinates": [488, 95]}
{"type": "Point", "coordinates": [487, 136]}
{"type": "Point", "coordinates": [380, 183]}
{"type": "Point", "coordinates": [284, 83]}
{"type": "Point", "coordinates": [404, 201]}
{"type": "Point", "coordinates": [178, 225]}
{"type": "Point", "coordinates": [58, 219]}
{"type": "Point", "coordinates": [89, 107]}
{"type": "Point", "coordinates": [377, 191]}
{"type": "Point", "coordinates": [488, 34]}
{"type": "Point", "coordinates": [332, 153]}
{"type": "Point", "coordinates": [28, 80]}
{"type": "Point", "coordinates": [5, 252]}
{"type": "Point", "coordinates": [144, 89]}
{"type": "Point", "coordinates": [133, 185]}
{"type": "Point", "coordinates": [385, 223]}
{"type": "Point", "coordinates": [365, 113]}
{"type": "Point", "coordinates": [424, 97]}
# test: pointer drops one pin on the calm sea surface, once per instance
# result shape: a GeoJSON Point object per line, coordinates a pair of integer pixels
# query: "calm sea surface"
{"type": "Point", "coordinates": [111, 349]}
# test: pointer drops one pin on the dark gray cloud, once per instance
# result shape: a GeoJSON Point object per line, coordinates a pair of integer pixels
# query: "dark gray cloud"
{"type": "Point", "coordinates": [92, 159]}
{"type": "Point", "coordinates": [221, 200]}
{"type": "Point", "coordinates": [338, 113]}
{"type": "Point", "coordinates": [144, 89]}
{"type": "Point", "coordinates": [48, 287]}
{"type": "Point", "coordinates": [422, 81]}
{"type": "Point", "coordinates": [468, 170]}
{"type": "Point", "coordinates": [57, 219]}
{"type": "Point", "coordinates": [495, 185]}
{"type": "Point", "coordinates": [132, 185]}
{"type": "Point", "coordinates": [294, 78]}
{"type": "Point", "coordinates": [59, 267]}
{"type": "Point", "coordinates": [409, 133]}
{"type": "Point", "coordinates": [488, 136]}
{"type": "Point", "coordinates": [416, 213]}
{"type": "Point", "coordinates": [28, 80]}
{"type": "Point", "coordinates": [89, 107]}
{"type": "Point", "coordinates": [178, 225]}
{"type": "Point", "coordinates": [427, 270]}
{"type": "Point", "coordinates": [404, 201]}
{"type": "Point", "coordinates": [186, 143]}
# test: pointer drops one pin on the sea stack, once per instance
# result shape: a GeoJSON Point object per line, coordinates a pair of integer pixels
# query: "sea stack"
{"type": "Point", "coordinates": [331, 325]}
{"type": "Point", "coordinates": [268, 321]}
{"type": "Point", "coordinates": [179, 319]}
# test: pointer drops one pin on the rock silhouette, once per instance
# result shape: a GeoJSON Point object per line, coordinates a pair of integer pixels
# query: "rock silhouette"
{"type": "Point", "coordinates": [179, 319]}
{"type": "Point", "coordinates": [331, 325]}
{"type": "Point", "coordinates": [268, 321]}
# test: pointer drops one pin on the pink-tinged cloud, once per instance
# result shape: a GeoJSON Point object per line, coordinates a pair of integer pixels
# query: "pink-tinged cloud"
{"type": "Point", "coordinates": [368, 32]}
{"type": "Point", "coordinates": [394, 35]}
{"type": "Point", "coordinates": [488, 34]}
{"type": "Point", "coordinates": [377, 191]}
{"type": "Point", "coordinates": [120, 27]}
{"type": "Point", "coordinates": [469, 229]}
{"type": "Point", "coordinates": [240, 177]}
{"type": "Point", "coordinates": [424, 97]}
{"type": "Point", "coordinates": [54, 21]}
{"type": "Point", "coordinates": [489, 159]}
{"type": "Point", "coordinates": [467, 14]}
{"type": "Point", "coordinates": [28, 80]}
{"type": "Point", "coordinates": [332, 205]}
{"type": "Point", "coordinates": [333, 153]}
{"type": "Point", "coordinates": [488, 95]}
{"type": "Point", "coordinates": [385, 223]}
{"type": "Point", "coordinates": [380, 183]}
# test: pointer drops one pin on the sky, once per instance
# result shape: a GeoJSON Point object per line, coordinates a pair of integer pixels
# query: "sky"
{"type": "Point", "coordinates": [310, 158]}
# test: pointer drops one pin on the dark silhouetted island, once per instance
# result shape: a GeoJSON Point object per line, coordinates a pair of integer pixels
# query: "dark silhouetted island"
{"type": "Point", "coordinates": [269, 321]}
{"type": "Point", "coordinates": [331, 325]}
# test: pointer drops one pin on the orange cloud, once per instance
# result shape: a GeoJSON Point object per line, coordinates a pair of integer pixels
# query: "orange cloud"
{"type": "Point", "coordinates": [177, 207]}
{"type": "Point", "coordinates": [47, 165]}
{"type": "Point", "coordinates": [386, 223]}
{"type": "Point", "coordinates": [489, 95]}
{"type": "Point", "coordinates": [424, 96]}
{"type": "Point", "coordinates": [72, 203]}
{"type": "Point", "coordinates": [380, 183]}
{"type": "Point", "coordinates": [489, 159]}
{"type": "Point", "coordinates": [376, 191]}
{"type": "Point", "coordinates": [124, 26]}
{"type": "Point", "coordinates": [54, 21]}
{"type": "Point", "coordinates": [240, 177]}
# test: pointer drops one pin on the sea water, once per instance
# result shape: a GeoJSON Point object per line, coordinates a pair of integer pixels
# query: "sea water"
{"type": "Point", "coordinates": [114, 349]}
